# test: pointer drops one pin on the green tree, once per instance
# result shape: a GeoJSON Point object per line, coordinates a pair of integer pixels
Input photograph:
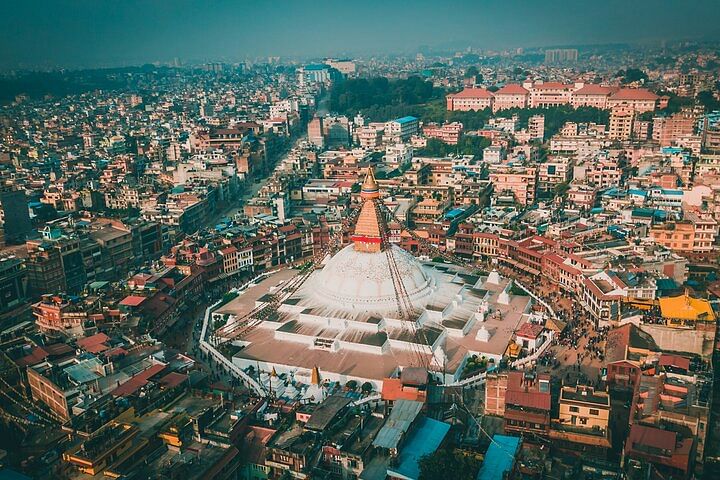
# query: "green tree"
{"type": "Point", "coordinates": [632, 75]}
{"type": "Point", "coordinates": [708, 100]}
{"type": "Point", "coordinates": [471, 72]}
{"type": "Point", "coordinates": [561, 189]}
{"type": "Point", "coordinates": [447, 463]}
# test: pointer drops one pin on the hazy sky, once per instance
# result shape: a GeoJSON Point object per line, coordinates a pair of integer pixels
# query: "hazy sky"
{"type": "Point", "coordinates": [120, 32]}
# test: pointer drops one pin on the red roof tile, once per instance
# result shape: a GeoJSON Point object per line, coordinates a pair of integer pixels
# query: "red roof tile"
{"type": "Point", "coordinates": [512, 89]}
{"type": "Point", "coordinates": [529, 330]}
{"type": "Point", "coordinates": [138, 381]}
{"type": "Point", "coordinates": [172, 380]}
{"type": "Point", "coordinates": [97, 339]}
{"type": "Point", "coordinates": [530, 397]}
{"type": "Point", "coordinates": [551, 86]}
{"type": "Point", "coordinates": [633, 94]}
{"type": "Point", "coordinates": [132, 301]}
{"type": "Point", "coordinates": [594, 89]}
{"type": "Point", "coordinates": [472, 93]}
{"type": "Point", "coordinates": [36, 356]}
{"type": "Point", "coordinates": [674, 361]}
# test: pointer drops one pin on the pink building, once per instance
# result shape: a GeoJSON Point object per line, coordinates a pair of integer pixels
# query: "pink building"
{"type": "Point", "coordinates": [448, 133]}
{"type": "Point", "coordinates": [520, 181]}
{"type": "Point", "coordinates": [469, 99]}
{"type": "Point", "coordinates": [549, 94]}
{"type": "Point", "coordinates": [511, 95]}
{"type": "Point", "coordinates": [591, 95]}
{"type": "Point", "coordinates": [639, 99]}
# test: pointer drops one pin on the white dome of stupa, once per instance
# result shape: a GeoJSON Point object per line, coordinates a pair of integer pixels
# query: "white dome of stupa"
{"type": "Point", "coordinates": [353, 280]}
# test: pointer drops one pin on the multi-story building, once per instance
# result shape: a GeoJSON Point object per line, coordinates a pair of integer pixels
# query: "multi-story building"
{"type": "Point", "coordinates": [344, 66]}
{"type": "Point", "coordinates": [316, 132]}
{"type": "Point", "coordinates": [52, 389]}
{"type": "Point", "coordinates": [369, 136]}
{"type": "Point", "coordinates": [521, 182]}
{"type": "Point", "coordinates": [95, 454]}
{"type": "Point", "coordinates": [60, 315]}
{"type": "Point", "coordinates": [14, 305]}
{"type": "Point", "coordinates": [429, 211]}
{"type": "Point", "coordinates": [583, 424]}
{"type": "Point", "coordinates": [602, 295]}
{"type": "Point", "coordinates": [621, 122]}
{"type": "Point", "coordinates": [638, 99]}
{"type": "Point", "coordinates": [401, 129]}
{"type": "Point", "coordinates": [561, 55]}
{"type": "Point", "coordinates": [448, 133]}
{"type": "Point", "coordinates": [16, 215]}
{"type": "Point", "coordinates": [591, 95]}
{"type": "Point", "coordinates": [548, 94]}
{"type": "Point", "coordinates": [554, 171]}
{"type": "Point", "coordinates": [511, 95]}
{"type": "Point", "coordinates": [676, 236]}
{"type": "Point", "coordinates": [55, 263]}
{"type": "Point", "coordinates": [523, 399]}
{"type": "Point", "coordinates": [470, 99]}
{"type": "Point", "coordinates": [398, 154]}
{"type": "Point", "coordinates": [536, 127]}
{"type": "Point", "coordinates": [668, 130]}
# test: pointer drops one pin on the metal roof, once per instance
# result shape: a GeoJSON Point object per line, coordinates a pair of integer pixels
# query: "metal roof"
{"type": "Point", "coordinates": [401, 417]}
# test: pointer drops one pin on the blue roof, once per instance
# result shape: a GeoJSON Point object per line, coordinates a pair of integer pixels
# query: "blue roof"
{"type": "Point", "coordinates": [613, 192]}
{"type": "Point", "coordinates": [665, 284]}
{"type": "Point", "coordinates": [455, 212]}
{"type": "Point", "coordinates": [671, 150]}
{"type": "Point", "coordinates": [499, 458]}
{"type": "Point", "coordinates": [648, 212]}
{"type": "Point", "coordinates": [7, 474]}
{"type": "Point", "coordinates": [637, 191]}
{"type": "Point", "coordinates": [406, 119]}
{"type": "Point", "coordinates": [426, 438]}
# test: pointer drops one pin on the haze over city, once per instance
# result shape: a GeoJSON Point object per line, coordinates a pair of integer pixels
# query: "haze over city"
{"type": "Point", "coordinates": [87, 33]}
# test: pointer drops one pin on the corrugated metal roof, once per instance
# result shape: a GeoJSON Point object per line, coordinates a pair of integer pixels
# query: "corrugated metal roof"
{"type": "Point", "coordinates": [401, 417]}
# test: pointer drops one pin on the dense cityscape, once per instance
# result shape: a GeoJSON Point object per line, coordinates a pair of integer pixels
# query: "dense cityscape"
{"type": "Point", "coordinates": [461, 263]}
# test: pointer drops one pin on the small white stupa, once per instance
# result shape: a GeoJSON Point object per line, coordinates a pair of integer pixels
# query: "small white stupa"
{"type": "Point", "coordinates": [315, 392]}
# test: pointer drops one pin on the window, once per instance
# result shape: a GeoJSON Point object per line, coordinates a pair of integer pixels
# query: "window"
{"type": "Point", "coordinates": [574, 409]}
{"type": "Point", "coordinates": [594, 411]}
{"type": "Point", "coordinates": [583, 421]}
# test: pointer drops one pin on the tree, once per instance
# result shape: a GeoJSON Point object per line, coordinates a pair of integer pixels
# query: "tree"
{"type": "Point", "coordinates": [561, 189]}
{"type": "Point", "coordinates": [351, 385]}
{"type": "Point", "coordinates": [708, 100]}
{"type": "Point", "coordinates": [471, 72]}
{"type": "Point", "coordinates": [632, 75]}
{"type": "Point", "coordinates": [447, 463]}
{"type": "Point", "coordinates": [366, 387]}
{"type": "Point", "coordinates": [358, 94]}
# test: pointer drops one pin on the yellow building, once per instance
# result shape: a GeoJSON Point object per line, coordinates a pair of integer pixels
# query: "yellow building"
{"type": "Point", "coordinates": [103, 449]}
{"type": "Point", "coordinates": [581, 406]}
{"type": "Point", "coordinates": [685, 310]}
{"type": "Point", "coordinates": [583, 423]}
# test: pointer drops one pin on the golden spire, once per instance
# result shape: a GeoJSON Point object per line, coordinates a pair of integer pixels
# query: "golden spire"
{"type": "Point", "coordinates": [370, 189]}
{"type": "Point", "coordinates": [273, 373]}
{"type": "Point", "coordinates": [369, 227]}
{"type": "Point", "coordinates": [315, 379]}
